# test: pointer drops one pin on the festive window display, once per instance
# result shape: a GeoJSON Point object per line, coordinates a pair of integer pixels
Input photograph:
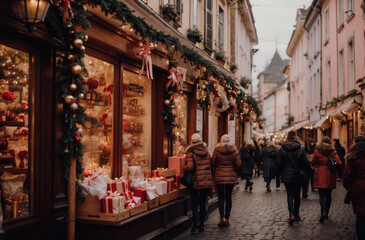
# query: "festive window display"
{"type": "Point", "coordinates": [136, 124]}
{"type": "Point", "coordinates": [14, 133]}
{"type": "Point", "coordinates": [98, 102]}
{"type": "Point", "coordinates": [181, 118]}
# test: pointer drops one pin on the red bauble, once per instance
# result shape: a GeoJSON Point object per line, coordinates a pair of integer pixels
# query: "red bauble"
{"type": "Point", "coordinates": [199, 66]}
{"type": "Point", "coordinates": [247, 119]}
{"type": "Point", "coordinates": [260, 126]}
{"type": "Point", "coordinates": [172, 123]}
{"type": "Point", "coordinates": [93, 84]}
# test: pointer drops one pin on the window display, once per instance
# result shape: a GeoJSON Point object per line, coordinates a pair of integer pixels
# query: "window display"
{"type": "Point", "coordinates": [98, 102]}
{"type": "Point", "coordinates": [136, 121]}
{"type": "Point", "coordinates": [14, 133]}
{"type": "Point", "coordinates": [181, 113]}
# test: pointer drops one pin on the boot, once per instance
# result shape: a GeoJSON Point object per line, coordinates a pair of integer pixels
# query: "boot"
{"type": "Point", "coordinates": [227, 222]}
{"type": "Point", "coordinates": [268, 189]}
{"type": "Point", "coordinates": [291, 220]}
{"type": "Point", "coordinates": [222, 222]}
{"type": "Point", "coordinates": [251, 183]}
{"type": "Point", "coordinates": [194, 228]}
{"type": "Point", "coordinates": [201, 227]}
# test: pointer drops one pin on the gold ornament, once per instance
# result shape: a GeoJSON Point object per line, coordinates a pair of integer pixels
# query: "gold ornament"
{"type": "Point", "coordinates": [69, 99]}
{"type": "Point", "coordinates": [82, 48]}
{"type": "Point", "coordinates": [166, 102]}
{"type": "Point", "coordinates": [74, 106]}
{"type": "Point", "coordinates": [86, 37]}
{"type": "Point", "coordinates": [81, 95]}
{"type": "Point", "coordinates": [71, 57]}
{"type": "Point", "coordinates": [72, 87]}
{"type": "Point", "coordinates": [78, 42]}
{"type": "Point", "coordinates": [171, 97]}
{"type": "Point", "coordinates": [76, 69]}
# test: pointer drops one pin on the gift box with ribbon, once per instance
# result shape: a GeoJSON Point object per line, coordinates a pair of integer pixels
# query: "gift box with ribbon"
{"type": "Point", "coordinates": [119, 185]}
{"type": "Point", "coordinates": [130, 203]}
{"type": "Point", "coordinates": [142, 193]}
{"type": "Point", "coordinates": [165, 172]}
{"type": "Point", "coordinates": [176, 163]}
{"type": "Point", "coordinates": [161, 187]}
{"type": "Point", "coordinates": [170, 184]}
{"type": "Point", "coordinates": [113, 203]}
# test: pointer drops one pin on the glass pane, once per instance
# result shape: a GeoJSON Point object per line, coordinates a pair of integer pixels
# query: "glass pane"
{"type": "Point", "coordinates": [98, 102]}
{"type": "Point", "coordinates": [137, 125]}
{"type": "Point", "coordinates": [181, 113]}
{"type": "Point", "coordinates": [14, 133]}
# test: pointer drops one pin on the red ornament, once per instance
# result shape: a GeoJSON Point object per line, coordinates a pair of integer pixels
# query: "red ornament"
{"type": "Point", "coordinates": [78, 139]}
{"type": "Point", "coordinates": [199, 66]}
{"type": "Point", "coordinates": [247, 119]}
{"type": "Point", "coordinates": [260, 126]}
{"type": "Point", "coordinates": [93, 84]}
{"type": "Point", "coordinates": [8, 96]}
{"type": "Point", "coordinates": [172, 123]}
{"type": "Point", "coordinates": [220, 79]}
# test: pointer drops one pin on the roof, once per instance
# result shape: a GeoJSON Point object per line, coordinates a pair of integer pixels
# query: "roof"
{"type": "Point", "coordinates": [276, 61]}
{"type": "Point", "coordinates": [274, 71]}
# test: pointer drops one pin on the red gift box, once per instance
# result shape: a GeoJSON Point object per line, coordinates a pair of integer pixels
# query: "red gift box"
{"type": "Point", "coordinates": [130, 201]}
{"type": "Point", "coordinates": [142, 193]}
{"type": "Point", "coordinates": [176, 182]}
{"type": "Point", "coordinates": [120, 186]}
{"type": "Point", "coordinates": [170, 185]}
{"type": "Point", "coordinates": [154, 173]}
{"type": "Point", "coordinates": [177, 163]}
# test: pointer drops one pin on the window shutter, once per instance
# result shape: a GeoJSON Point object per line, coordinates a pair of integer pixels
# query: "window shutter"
{"type": "Point", "coordinates": [208, 25]}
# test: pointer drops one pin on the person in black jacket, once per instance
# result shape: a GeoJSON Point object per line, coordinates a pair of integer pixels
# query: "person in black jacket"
{"type": "Point", "coordinates": [341, 154]}
{"type": "Point", "coordinates": [247, 154]}
{"type": "Point", "coordinates": [293, 164]}
{"type": "Point", "coordinates": [268, 157]}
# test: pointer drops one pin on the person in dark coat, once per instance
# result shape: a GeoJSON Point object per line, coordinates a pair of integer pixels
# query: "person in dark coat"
{"type": "Point", "coordinates": [268, 158]}
{"type": "Point", "coordinates": [293, 163]}
{"type": "Point", "coordinates": [341, 154]}
{"type": "Point", "coordinates": [324, 179]}
{"type": "Point", "coordinates": [354, 182]}
{"type": "Point", "coordinates": [310, 147]}
{"type": "Point", "coordinates": [247, 155]}
{"type": "Point", "coordinates": [226, 164]}
{"type": "Point", "coordinates": [199, 161]}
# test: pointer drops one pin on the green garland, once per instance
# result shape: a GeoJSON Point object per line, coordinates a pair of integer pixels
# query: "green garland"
{"type": "Point", "coordinates": [66, 33]}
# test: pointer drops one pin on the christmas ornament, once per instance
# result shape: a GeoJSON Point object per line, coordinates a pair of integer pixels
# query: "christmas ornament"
{"type": "Point", "coordinates": [92, 83]}
{"type": "Point", "coordinates": [78, 42]}
{"type": "Point", "coordinates": [79, 131]}
{"type": "Point", "coordinates": [199, 66]}
{"type": "Point", "coordinates": [247, 119]}
{"type": "Point", "coordinates": [8, 96]}
{"type": "Point", "coordinates": [74, 106]}
{"type": "Point", "coordinates": [145, 52]}
{"type": "Point", "coordinates": [175, 78]}
{"type": "Point", "coordinates": [69, 99]}
{"type": "Point", "coordinates": [171, 97]}
{"type": "Point", "coordinates": [71, 57]}
{"type": "Point", "coordinates": [260, 126]}
{"type": "Point", "coordinates": [82, 48]}
{"type": "Point", "coordinates": [24, 82]}
{"type": "Point", "coordinates": [66, 7]}
{"type": "Point", "coordinates": [166, 102]}
{"type": "Point", "coordinates": [76, 69]}
{"type": "Point", "coordinates": [81, 95]}
{"type": "Point", "coordinates": [72, 87]}
{"type": "Point", "coordinates": [2, 82]}
{"type": "Point", "coordinates": [86, 37]}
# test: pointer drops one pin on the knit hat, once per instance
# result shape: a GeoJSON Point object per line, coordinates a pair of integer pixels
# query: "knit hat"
{"type": "Point", "coordinates": [225, 138]}
{"type": "Point", "coordinates": [326, 140]}
{"type": "Point", "coordinates": [292, 135]}
{"type": "Point", "coordinates": [196, 138]}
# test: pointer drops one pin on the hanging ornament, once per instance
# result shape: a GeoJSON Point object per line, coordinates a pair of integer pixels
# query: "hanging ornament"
{"type": "Point", "coordinates": [82, 48]}
{"type": "Point", "coordinates": [81, 95]}
{"type": "Point", "coordinates": [76, 69]}
{"type": "Point", "coordinates": [199, 66]}
{"type": "Point", "coordinates": [260, 126]}
{"type": "Point", "coordinates": [86, 37]}
{"type": "Point", "coordinates": [166, 102]}
{"type": "Point", "coordinates": [72, 87]}
{"type": "Point", "coordinates": [78, 42]}
{"type": "Point", "coordinates": [247, 119]}
{"type": "Point", "coordinates": [71, 57]}
{"type": "Point", "coordinates": [74, 106]}
{"type": "Point", "coordinates": [145, 52]}
{"type": "Point", "coordinates": [175, 78]}
{"type": "Point", "coordinates": [69, 99]}
{"type": "Point", "coordinates": [71, 31]}
{"type": "Point", "coordinates": [66, 8]}
{"type": "Point", "coordinates": [78, 139]}
{"type": "Point", "coordinates": [79, 131]}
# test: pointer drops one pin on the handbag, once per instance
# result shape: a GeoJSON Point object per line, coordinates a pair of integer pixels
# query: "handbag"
{"type": "Point", "coordinates": [302, 175]}
{"type": "Point", "coordinates": [187, 179]}
{"type": "Point", "coordinates": [332, 164]}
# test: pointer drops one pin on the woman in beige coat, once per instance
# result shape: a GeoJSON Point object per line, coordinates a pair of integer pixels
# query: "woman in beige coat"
{"type": "Point", "coordinates": [226, 166]}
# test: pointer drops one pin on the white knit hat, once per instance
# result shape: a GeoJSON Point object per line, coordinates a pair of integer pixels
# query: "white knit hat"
{"type": "Point", "coordinates": [225, 138]}
{"type": "Point", "coordinates": [196, 138]}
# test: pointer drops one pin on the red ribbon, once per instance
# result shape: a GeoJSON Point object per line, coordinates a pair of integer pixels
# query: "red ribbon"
{"type": "Point", "coordinates": [145, 52]}
{"type": "Point", "coordinates": [66, 7]}
{"type": "Point", "coordinates": [109, 90]}
{"type": "Point", "coordinates": [175, 78]}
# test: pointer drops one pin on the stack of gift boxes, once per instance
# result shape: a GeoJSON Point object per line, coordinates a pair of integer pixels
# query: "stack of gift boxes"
{"type": "Point", "coordinates": [135, 193]}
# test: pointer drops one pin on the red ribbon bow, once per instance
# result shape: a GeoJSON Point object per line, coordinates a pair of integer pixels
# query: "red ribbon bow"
{"type": "Point", "coordinates": [66, 7]}
{"type": "Point", "coordinates": [109, 90]}
{"type": "Point", "coordinates": [145, 52]}
{"type": "Point", "coordinates": [175, 78]}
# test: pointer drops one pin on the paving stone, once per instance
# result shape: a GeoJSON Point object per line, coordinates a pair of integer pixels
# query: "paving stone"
{"type": "Point", "coordinates": [262, 215]}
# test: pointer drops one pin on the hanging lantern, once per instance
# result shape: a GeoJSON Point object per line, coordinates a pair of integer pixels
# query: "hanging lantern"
{"type": "Point", "coordinates": [32, 11]}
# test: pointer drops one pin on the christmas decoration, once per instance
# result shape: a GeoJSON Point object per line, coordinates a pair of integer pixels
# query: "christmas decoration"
{"type": "Point", "coordinates": [22, 154]}
{"type": "Point", "coordinates": [145, 52]}
{"type": "Point", "coordinates": [175, 78]}
{"type": "Point", "coordinates": [166, 102]}
{"type": "Point", "coordinates": [81, 95]}
{"type": "Point", "coordinates": [8, 96]}
{"type": "Point", "coordinates": [72, 87]}
{"type": "Point", "coordinates": [69, 99]}
{"type": "Point", "coordinates": [78, 42]}
{"type": "Point", "coordinates": [76, 69]}
{"type": "Point", "coordinates": [74, 106]}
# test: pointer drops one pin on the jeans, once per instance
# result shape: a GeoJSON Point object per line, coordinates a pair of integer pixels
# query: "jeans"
{"type": "Point", "coordinates": [325, 200]}
{"type": "Point", "coordinates": [198, 200]}
{"type": "Point", "coordinates": [225, 193]}
{"type": "Point", "coordinates": [248, 179]}
{"type": "Point", "coordinates": [277, 176]}
{"type": "Point", "coordinates": [305, 187]}
{"type": "Point", "coordinates": [268, 181]}
{"type": "Point", "coordinates": [293, 198]}
{"type": "Point", "coordinates": [360, 226]}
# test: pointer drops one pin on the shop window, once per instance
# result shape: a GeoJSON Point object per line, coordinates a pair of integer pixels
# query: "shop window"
{"type": "Point", "coordinates": [137, 124]}
{"type": "Point", "coordinates": [181, 112]}
{"type": "Point", "coordinates": [15, 137]}
{"type": "Point", "coordinates": [98, 103]}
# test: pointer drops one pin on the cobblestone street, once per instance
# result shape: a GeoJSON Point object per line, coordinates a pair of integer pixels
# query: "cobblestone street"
{"type": "Point", "coordinates": [262, 215]}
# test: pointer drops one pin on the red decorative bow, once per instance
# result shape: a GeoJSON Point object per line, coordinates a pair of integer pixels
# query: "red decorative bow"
{"type": "Point", "coordinates": [145, 52]}
{"type": "Point", "coordinates": [66, 7]}
{"type": "Point", "coordinates": [109, 90]}
{"type": "Point", "coordinates": [175, 78]}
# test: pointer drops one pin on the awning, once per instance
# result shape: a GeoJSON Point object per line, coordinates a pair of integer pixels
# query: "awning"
{"type": "Point", "coordinates": [310, 125]}
{"type": "Point", "coordinates": [323, 119]}
{"type": "Point", "coordinates": [299, 125]}
{"type": "Point", "coordinates": [347, 106]}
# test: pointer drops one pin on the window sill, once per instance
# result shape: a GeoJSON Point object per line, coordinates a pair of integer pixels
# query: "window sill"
{"type": "Point", "coordinates": [340, 28]}
{"type": "Point", "coordinates": [326, 42]}
{"type": "Point", "coordinates": [349, 18]}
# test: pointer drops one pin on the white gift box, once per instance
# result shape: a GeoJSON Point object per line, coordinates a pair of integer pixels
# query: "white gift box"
{"type": "Point", "coordinates": [161, 187]}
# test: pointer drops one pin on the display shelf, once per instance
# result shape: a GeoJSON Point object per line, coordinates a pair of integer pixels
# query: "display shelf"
{"type": "Point", "coordinates": [11, 123]}
{"type": "Point", "coordinates": [134, 114]}
{"type": "Point", "coordinates": [90, 104]}
{"type": "Point", "coordinates": [132, 95]}
{"type": "Point", "coordinates": [14, 170]}
{"type": "Point", "coordinates": [133, 131]}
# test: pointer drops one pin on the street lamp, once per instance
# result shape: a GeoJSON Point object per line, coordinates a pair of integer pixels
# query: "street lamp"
{"type": "Point", "coordinates": [32, 11]}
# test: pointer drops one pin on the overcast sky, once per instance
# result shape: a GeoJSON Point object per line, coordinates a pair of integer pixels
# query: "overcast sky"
{"type": "Point", "coordinates": [274, 21]}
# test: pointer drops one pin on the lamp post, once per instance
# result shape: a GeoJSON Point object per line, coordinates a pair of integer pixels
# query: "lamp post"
{"type": "Point", "coordinates": [32, 11]}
